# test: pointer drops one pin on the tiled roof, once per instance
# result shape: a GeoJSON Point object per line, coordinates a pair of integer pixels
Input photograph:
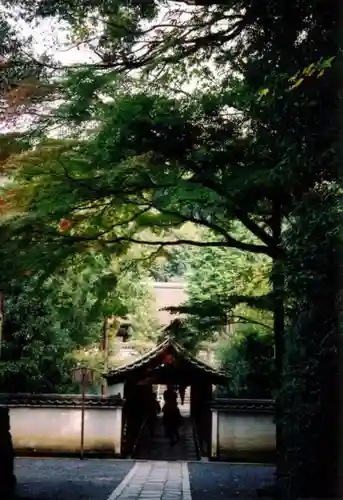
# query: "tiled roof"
{"type": "Point", "coordinates": [169, 342]}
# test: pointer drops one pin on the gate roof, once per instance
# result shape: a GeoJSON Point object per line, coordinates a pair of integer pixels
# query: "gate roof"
{"type": "Point", "coordinates": [167, 359]}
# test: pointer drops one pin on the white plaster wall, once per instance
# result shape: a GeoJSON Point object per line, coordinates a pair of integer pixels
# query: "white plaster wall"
{"type": "Point", "coordinates": [59, 429]}
{"type": "Point", "coordinates": [245, 432]}
{"type": "Point", "coordinates": [114, 389]}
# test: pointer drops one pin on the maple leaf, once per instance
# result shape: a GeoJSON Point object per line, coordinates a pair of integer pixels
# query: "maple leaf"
{"type": "Point", "coordinates": [65, 224]}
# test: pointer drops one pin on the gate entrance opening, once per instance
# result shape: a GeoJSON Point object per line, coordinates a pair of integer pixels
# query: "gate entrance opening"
{"type": "Point", "coordinates": [168, 364]}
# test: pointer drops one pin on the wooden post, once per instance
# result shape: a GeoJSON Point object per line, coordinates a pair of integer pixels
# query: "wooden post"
{"type": "Point", "coordinates": [83, 375]}
{"type": "Point", "coordinates": [105, 354]}
{"type": "Point", "coordinates": [84, 381]}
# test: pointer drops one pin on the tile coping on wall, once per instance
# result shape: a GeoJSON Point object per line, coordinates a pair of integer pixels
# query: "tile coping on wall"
{"type": "Point", "coordinates": [232, 405]}
{"type": "Point", "coordinates": [59, 401]}
{"type": "Point", "coordinates": [75, 401]}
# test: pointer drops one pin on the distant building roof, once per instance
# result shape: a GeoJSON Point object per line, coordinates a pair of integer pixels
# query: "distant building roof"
{"type": "Point", "coordinates": [168, 294]}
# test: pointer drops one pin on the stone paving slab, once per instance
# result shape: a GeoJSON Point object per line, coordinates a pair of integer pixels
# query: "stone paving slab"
{"type": "Point", "coordinates": [155, 481]}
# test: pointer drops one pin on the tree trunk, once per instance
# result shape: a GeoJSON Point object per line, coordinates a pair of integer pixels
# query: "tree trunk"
{"type": "Point", "coordinates": [279, 331]}
{"type": "Point", "coordinates": [311, 386]}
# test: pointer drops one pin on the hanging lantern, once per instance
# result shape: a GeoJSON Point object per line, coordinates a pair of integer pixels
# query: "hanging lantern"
{"type": "Point", "coordinates": [168, 359]}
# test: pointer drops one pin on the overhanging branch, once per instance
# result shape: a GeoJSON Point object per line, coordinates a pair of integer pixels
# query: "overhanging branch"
{"type": "Point", "coordinates": [183, 241]}
{"type": "Point", "coordinates": [247, 320]}
{"type": "Point", "coordinates": [242, 216]}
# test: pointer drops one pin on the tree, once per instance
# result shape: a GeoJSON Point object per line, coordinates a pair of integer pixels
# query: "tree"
{"type": "Point", "coordinates": [35, 348]}
{"type": "Point", "coordinates": [248, 359]}
{"type": "Point", "coordinates": [306, 145]}
{"type": "Point", "coordinates": [133, 143]}
{"type": "Point", "coordinates": [171, 266]}
{"type": "Point", "coordinates": [140, 202]}
{"type": "Point", "coordinates": [225, 287]}
{"type": "Point", "coordinates": [50, 327]}
{"type": "Point", "coordinates": [24, 80]}
{"type": "Point", "coordinates": [116, 30]}
{"type": "Point", "coordinates": [312, 365]}
{"type": "Point", "coordinates": [231, 279]}
{"type": "Point", "coordinates": [112, 207]}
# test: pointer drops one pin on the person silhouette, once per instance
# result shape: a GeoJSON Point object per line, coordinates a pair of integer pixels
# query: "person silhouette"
{"type": "Point", "coordinates": [171, 415]}
{"type": "Point", "coordinates": [170, 395]}
{"type": "Point", "coordinates": [154, 409]}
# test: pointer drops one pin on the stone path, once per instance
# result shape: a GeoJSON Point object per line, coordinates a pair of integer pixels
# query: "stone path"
{"type": "Point", "coordinates": [155, 481]}
{"type": "Point", "coordinates": [158, 447]}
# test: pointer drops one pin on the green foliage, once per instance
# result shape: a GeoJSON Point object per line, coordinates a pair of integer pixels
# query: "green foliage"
{"type": "Point", "coordinates": [136, 294]}
{"type": "Point", "coordinates": [219, 271]}
{"type": "Point", "coordinates": [172, 266]}
{"type": "Point", "coordinates": [36, 347]}
{"type": "Point", "coordinates": [317, 68]}
{"type": "Point", "coordinates": [23, 79]}
{"type": "Point", "coordinates": [51, 326]}
{"type": "Point", "coordinates": [111, 188]}
{"type": "Point", "coordinates": [225, 287]}
{"type": "Point", "coordinates": [83, 295]}
{"type": "Point", "coordinates": [248, 359]}
{"type": "Point", "coordinates": [183, 332]}
{"type": "Point", "coordinates": [114, 28]}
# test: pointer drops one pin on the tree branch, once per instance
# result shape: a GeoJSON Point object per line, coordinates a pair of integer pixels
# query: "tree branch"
{"type": "Point", "coordinates": [229, 240]}
{"type": "Point", "coordinates": [244, 319]}
{"type": "Point", "coordinates": [155, 50]}
{"type": "Point", "coordinates": [127, 239]}
{"type": "Point", "coordinates": [243, 217]}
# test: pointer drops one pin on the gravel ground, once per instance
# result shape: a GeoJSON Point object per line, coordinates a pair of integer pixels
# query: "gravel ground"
{"type": "Point", "coordinates": [212, 481]}
{"type": "Point", "coordinates": [72, 479]}
{"type": "Point", "coordinates": [68, 479]}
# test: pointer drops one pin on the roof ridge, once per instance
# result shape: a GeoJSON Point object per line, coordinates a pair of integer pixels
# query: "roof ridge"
{"type": "Point", "coordinates": [143, 357]}
{"type": "Point", "coordinates": [194, 358]}
{"type": "Point", "coordinates": [169, 340]}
